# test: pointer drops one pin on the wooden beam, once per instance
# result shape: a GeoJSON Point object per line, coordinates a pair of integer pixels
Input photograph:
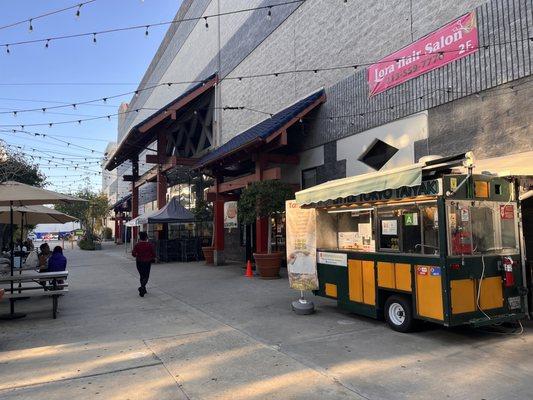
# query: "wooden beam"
{"type": "Point", "coordinates": [172, 161]}
{"type": "Point", "coordinates": [267, 175]}
{"type": "Point", "coordinates": [148, 176]}
{"type": "Point", "coordinates": [176, 106]}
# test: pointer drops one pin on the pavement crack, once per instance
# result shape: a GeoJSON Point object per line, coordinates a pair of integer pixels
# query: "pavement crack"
{"type": "Point", "coordinates": [179, 385]}
{"type": "Point", "coordinates": [13, 388]}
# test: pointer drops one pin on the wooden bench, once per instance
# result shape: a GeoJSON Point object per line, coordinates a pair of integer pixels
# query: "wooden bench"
{"type": "Point", "coordinates": [48, 282]}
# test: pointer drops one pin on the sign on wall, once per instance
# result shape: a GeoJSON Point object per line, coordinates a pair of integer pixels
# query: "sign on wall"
{"type": "Point", "coordinates": [301, 246]}
{"type": "Point", "coordinates": [453, 41]}
{"type": "Point", "coordinates": [230, 214]}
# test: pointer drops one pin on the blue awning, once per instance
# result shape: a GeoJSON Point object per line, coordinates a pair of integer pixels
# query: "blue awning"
{"type": "Point", "coordinates": [260, 132]}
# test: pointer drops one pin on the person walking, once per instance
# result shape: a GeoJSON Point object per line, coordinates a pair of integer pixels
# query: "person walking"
{"type": "Point", "coordinates": [144, 254]}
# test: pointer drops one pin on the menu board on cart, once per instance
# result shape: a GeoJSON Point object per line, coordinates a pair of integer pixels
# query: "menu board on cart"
{"type": "Point", "coordinates": [301, 246]}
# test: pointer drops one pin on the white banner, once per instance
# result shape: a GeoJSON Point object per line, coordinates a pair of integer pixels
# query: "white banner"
{"type": "Point", "coordinates": [301, 246]}
{"type": "Point", "coordinates": [230, 214]}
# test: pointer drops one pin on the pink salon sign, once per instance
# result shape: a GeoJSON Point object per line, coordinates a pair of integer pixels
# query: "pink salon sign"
{"type": "Point", "coordinates": [451, 42]}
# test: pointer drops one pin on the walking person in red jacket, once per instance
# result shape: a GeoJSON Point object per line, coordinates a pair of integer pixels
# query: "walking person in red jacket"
{"type": "Point", "coordinates": [144, 253]}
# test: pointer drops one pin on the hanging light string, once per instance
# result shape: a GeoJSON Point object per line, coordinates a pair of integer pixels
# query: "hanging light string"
{"type": "Point", "coordinates": [44, 155]}
{"type": "Point", "coordinates": [136, 110]}
{"type": "Point", "coordinates": [44, 135]}
{"type": "Point", "coordinates": [29, 21]}
{"type": "Point", "coordinates": [50, 162]}
{"type": "Point", "coordinates": [144, 27]}
{"type": "Point", "coordinates": [316, 70]}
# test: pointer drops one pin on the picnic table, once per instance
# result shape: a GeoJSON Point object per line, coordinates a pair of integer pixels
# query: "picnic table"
{"type": "Point", "coordinates": [49, 284]}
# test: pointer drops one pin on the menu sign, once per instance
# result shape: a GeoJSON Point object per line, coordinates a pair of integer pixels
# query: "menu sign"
{"type": "Point", "coordinates": [301, 246]}
{"type": "Point", "coordinates": [453, 41]}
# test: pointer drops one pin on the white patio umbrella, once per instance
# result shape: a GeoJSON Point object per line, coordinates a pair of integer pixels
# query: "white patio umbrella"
{"type": "Point", "coordinates": [19, 194]}
{"type": "Point", "coordinates": [34, 215]}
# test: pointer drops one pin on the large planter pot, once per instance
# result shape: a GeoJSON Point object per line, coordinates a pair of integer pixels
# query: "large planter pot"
{"type": "Point", "coordinates": [209, 254]}
{"type": "Point", "coordinates": [268, 264]}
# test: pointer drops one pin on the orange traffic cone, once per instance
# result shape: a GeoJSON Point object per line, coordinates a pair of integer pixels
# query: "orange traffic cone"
{"type": "Point", "coordinates": [249, 273]}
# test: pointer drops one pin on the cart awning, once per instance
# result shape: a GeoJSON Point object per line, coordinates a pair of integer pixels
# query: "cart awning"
{"type": "Point", "coordinates": [520, 164]}
{"type": "Point", "coordinates": [410, 175]}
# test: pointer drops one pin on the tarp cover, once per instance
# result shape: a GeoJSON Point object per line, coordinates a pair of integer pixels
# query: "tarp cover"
{"type": "Point", "coordinates": [410, 175]}
{"type": "Point", "coordinates": [173, 211]}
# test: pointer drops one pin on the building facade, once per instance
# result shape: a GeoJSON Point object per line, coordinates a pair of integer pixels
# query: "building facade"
{"type": "Point", "coordinates": [217, 78]}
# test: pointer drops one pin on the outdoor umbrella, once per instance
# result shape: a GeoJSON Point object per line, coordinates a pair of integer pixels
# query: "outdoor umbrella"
{"type": "Point", "coordinates": [19, 194]}
{"type": "Point", "coordinates": [34, 215]}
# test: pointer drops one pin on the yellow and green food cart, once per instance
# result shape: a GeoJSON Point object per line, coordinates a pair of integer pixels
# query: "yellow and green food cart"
{"type": "Point", "coordinates": [431, 241]}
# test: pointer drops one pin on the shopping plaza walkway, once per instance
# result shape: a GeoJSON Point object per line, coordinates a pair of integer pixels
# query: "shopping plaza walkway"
{"type": "Point", "coordinates": [209, 333]}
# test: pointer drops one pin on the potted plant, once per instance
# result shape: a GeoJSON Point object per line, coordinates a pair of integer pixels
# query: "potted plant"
{"type": "Point", "coordinates": [260, 200]}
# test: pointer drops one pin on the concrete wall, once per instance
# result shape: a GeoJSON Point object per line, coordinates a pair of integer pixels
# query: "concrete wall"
{"type": "Point", "coordinates": [400, 134]}
{"type": "Point", "coordinates": [323, 33]}
{"type": "Point", "coordinates": [495, 123]}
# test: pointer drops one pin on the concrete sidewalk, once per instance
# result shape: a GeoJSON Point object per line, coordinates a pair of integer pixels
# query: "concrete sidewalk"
{"type": "Point", "coordinates": [209, 333]}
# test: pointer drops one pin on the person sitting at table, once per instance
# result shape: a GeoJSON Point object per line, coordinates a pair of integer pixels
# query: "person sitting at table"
{"type": "Point", "coordinates": [57, 261]}
{"type": "Point", "coordinates": [44, 255]}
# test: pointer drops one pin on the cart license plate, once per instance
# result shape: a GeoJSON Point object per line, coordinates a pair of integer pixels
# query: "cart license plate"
{"type": "Point", "coordinates": [514, 302]}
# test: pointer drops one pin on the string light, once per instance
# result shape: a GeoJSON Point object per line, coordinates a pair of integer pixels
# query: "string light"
{"type": "Point", "coordinates": [78, 11]}
{"type": "Point", "coordinates": [128, 28]}
{"type": "Point", "coordinates": [30, 28]}
{"type": "Point", "coordinates": [47, 14]}
{"type": "Point", "coordinates": [269, 14]}
{"type": "Point", "coordinates": [94, 38]}
{"type": "Point", "coordinates": [47, 43]}
{"type": "Point", "coordinates": [146, 31]}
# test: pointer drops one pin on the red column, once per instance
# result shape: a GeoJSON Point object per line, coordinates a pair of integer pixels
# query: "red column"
{"type": "Point", "coordinates": [218, 225]}
{"type": "Point", "coordinates": [261, 235]}
{"type": "Point", "coordinates": [161, 190]}
{"type": "Point", "coordinates": [161, 178]}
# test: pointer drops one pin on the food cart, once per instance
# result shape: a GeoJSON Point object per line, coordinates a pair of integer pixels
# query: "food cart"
{"type": "Point", "coordinates": [421, 242]}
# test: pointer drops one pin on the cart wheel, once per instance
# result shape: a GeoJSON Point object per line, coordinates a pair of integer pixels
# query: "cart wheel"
{"type": "Point", "coordinates": [399, 314]}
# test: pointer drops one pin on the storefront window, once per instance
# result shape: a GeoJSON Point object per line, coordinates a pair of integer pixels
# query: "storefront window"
{"type": "Point", "coordinates": [410, 228]}
{"type": "Point", "coordinates": [481, 227]}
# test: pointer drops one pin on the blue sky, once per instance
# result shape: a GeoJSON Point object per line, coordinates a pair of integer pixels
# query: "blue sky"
{"type": "Point", "coordinates": [73, 70]}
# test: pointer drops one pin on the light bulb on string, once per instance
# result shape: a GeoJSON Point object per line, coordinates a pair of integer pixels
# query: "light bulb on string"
{"type": "Point", "coordinates": [30, 28]}
{"type": "Point", "coordinates": [78, 11]}
{"type": "Point", "coordinates": [146, 31]}
{"type": "Point", "coordinates": [47, 44]}
{"type": "Point", "coordinates": [269, 14]}
{"type": "Point", "coordinates": [206, 24]}
{"type": "Point", "coordinates": [94, 38]}
{"type": "Point", "coordinates": [7, 49]}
